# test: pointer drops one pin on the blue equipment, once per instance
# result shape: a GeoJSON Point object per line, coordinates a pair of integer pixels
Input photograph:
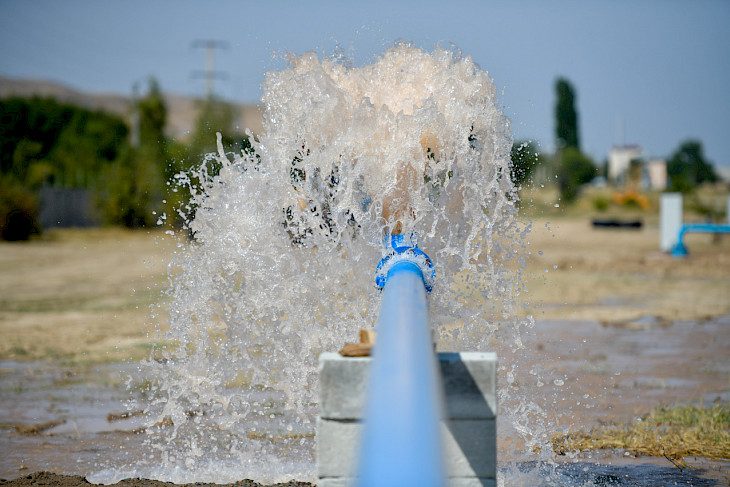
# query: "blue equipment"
{"type": "Point", "coordinates": [680, 250]}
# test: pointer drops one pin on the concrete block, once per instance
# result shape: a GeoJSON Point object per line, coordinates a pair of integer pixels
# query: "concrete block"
{"type": "Point", "coordinates": [469, 430]}
{"type": "Point", "coordinates": [452, 482]}
{"type": "Point", "coordinates": [471, 482]}
{"type": "Point", "coordinates": [335, 482]}
{"type": "Point", "coordinates": [337, 447]}
{"type": "Point", "coordinates": [469, 385]}
{"type": "Point", "coordinates": [342, 386]}
{"type": "Point", "coordinates": [470, 448]}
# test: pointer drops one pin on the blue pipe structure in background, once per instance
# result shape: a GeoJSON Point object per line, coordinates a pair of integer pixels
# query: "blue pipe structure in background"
{"type": "Point", "coordinates": [401, 443]}
{"type": "Point", "coordinates": [680, 250]}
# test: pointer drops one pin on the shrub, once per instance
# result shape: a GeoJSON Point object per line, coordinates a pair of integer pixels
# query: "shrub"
{"type": "Point", "coordinates": [18, 211]}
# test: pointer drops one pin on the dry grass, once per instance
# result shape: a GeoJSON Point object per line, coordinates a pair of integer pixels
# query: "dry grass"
{"type": "Point", "coordinates": [674, 432]}
{"type": "Point", "coordinates": [577, 271]}
{"type": "Point", "coordinates": [84, 295]}
{"type": "Point", "coordinates": [80, 295]}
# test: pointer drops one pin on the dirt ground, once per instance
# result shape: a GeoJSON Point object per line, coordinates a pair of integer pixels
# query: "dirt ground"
{"type": "Point", "coordinates": [48, 479]}
{"type": "Point", "coordinates": [76, 298]}
{"type": "Point", "coordinates": [614, 276]}
{"type": "Point", "coordinates": [85, 295]}
{"type": "Point", "coordinates": [80, 295]}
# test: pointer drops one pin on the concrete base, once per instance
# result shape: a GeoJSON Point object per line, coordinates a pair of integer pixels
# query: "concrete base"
{"type": "Point", "coordinates": [670, 220]}
{"type": "Point", "coordinates": [453, 482]}
{"type": "Point", "coordinates": [468, 432]}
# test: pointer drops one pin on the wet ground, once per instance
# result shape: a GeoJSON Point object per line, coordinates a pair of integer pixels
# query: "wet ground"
{"type": "Point", "coordinates": [68, 419]}
{"type": "Point", "coordinates": [48, 478]}
{"type": "Point", "coordinates": [56, 418]}
{"type": "Point", "coordinates": [572, 474]}
{"type": "Point", "coordinates": [617, 371]}
{"type": "Point", "coordinates": [597, 373]}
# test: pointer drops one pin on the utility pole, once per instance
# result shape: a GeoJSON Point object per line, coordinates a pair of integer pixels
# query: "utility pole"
{"type": "Point", "coordinates": [210, 73]}
{"type": "Point", "coordinates": [134, 117]}
{"type": "Point", "coordinates": [620, 131]}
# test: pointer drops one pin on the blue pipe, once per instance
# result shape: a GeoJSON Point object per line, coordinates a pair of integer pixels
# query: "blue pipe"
{"type": "Point", "coordinates": [680, 250]}
{"type": "Point", "coordinates": [401, 443]}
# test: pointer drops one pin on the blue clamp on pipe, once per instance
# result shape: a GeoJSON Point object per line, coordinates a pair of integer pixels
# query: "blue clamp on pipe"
{"type": "Point", "coordinates": [400, 252]}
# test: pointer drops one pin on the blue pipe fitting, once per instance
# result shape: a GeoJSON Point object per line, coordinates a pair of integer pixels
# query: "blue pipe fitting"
{"type": "Point", "coordinates": [680, 249]}
{"type": "Point", "coordinates": [401, 251]}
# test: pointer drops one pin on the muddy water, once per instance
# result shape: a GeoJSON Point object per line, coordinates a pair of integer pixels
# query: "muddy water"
{"type": "Point", "coordinates": [56, 418]}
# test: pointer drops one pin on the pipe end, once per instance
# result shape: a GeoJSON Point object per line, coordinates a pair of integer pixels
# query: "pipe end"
{"type": "Point", "coordinates": [401, 251]}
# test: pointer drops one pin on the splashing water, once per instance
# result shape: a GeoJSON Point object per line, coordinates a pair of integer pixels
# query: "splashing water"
{"type": "Point", "coordinates": [286, 239]}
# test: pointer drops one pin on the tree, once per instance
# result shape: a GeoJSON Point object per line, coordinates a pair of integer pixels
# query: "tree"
{"type": "Point", "coordinates": [71, 145]}
{"type": "Point", "coordinates": [86, 145]}
{"type": "Point", "coordinates": [566, 115]}
{"type": "Point", "coordinates": [43, 142]}
{"type": "Point", "coordinates": [214, 116]}
{"type": "Point", "coordinates": [688, 167]}
{"type": "Point", "coordinates": [18, 210]}
{"type": "Point", "coordinates": [575, 170]}
{"type": "Point", "coordinates": [152, 118]}
{"type": "Point", "coordinates": [133, 185]}
{"type": "Point", "coordinates": [525, 157]}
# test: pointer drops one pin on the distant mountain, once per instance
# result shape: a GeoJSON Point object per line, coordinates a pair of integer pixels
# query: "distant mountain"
{"type": "Point", "coordinates": [181, 110]}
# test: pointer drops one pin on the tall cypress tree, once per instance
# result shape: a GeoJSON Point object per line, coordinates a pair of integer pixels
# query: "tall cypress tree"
{"type": "Point", "coordinates": [566, 115]}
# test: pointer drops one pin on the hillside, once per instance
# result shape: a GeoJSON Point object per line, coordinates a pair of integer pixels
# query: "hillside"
{"type": "Point", "coordinates": [182, 110]}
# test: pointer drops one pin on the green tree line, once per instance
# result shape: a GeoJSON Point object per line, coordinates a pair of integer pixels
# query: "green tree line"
{"type": "Point", "coordinates": [44, 143]}
{"type": "Point", "coordinates": [570, 168]}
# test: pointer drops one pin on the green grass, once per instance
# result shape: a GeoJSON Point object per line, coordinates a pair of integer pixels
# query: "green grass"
{"type": "Point", "coordinates": [673, 432]}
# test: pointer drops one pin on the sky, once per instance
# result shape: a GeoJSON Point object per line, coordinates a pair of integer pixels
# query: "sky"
{"type": "Point", "coordinates": [652, 73]}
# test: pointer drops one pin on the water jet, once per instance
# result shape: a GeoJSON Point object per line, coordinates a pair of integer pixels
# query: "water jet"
{"type": "Point", "coordinates": [280, 271]}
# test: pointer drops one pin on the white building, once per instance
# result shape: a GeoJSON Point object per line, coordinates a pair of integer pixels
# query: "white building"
{"type": "Point", "coordinates": [657, 171]}
{"type": "Point", "coordinates": [619, 160]}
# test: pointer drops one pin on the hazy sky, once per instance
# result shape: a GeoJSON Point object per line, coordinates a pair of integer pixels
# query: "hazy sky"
{"type": "Point", "coordinates": [659, 69]}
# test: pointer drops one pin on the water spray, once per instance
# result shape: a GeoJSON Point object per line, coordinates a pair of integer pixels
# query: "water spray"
{"type": "Point", "coordinates": [280, 272]}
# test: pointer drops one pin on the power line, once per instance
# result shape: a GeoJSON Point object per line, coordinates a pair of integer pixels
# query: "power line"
{"type": "Point", "coordinates": [210, 72]}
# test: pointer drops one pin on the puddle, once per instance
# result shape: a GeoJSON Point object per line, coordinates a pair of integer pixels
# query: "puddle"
{"type": "Point", "coordinates": [56, 418]}
{"type": "Point", "coordinates": [622, 372]}
{"type": "Point", "coordinates": [624, 474]}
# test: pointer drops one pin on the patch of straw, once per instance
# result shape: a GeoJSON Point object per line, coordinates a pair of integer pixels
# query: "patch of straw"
{"type": "Point", "coordinates": [673, 432]}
